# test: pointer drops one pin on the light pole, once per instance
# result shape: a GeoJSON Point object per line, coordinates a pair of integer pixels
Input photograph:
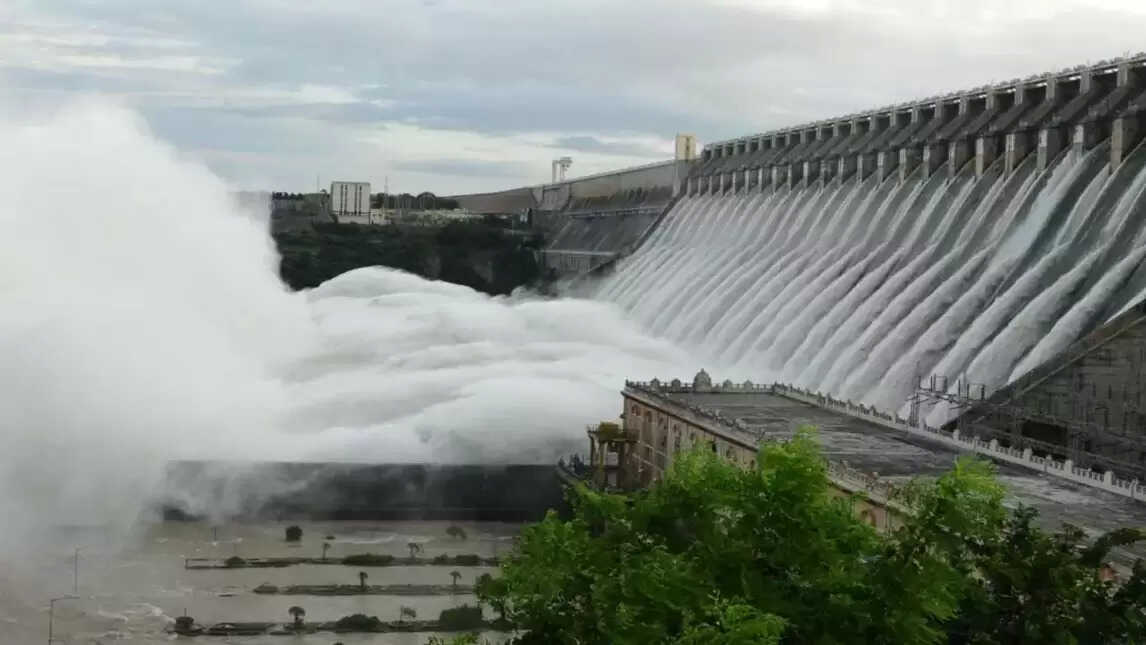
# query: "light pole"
{"type": "Point", "coordinates": [76, 573]}
{"type": "Point", "coordinates": [51, 611]}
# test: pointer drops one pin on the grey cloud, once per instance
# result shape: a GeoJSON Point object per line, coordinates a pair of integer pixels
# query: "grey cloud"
{"type": "Point", "coordinates": [466, 167]}
{"type": "Point", "coordinates": [593, 144]}
{"type": "Point", "coordinates": [585, 71]}
{"type": "Point", "coordinates": [347, 113]}
{"type": "Point", "coordinates": [210, 129]}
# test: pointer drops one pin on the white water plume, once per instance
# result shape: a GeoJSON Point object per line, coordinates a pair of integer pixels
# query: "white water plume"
{"type": "Point", "coordinates": [143, 321]}
{"type": "Point", "coordinates": [856, 288]}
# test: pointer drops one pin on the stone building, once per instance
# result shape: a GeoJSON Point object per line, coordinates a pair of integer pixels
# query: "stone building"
{"type": "Point", "coordinates": [869, 454]}
{"type": "Point", "coordinates": [661, 419]}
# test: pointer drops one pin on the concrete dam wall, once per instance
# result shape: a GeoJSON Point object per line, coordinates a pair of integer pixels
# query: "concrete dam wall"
{"type": "Point", "coordinates": [973, 235]}
{"type": "Point", "coordinates": [590, 221]}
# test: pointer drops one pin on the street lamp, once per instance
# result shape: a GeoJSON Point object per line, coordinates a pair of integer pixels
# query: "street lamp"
{"type": "Point", "coordinates": [76, 573]}
{"type": "Point", "coordinates": [51, 611]}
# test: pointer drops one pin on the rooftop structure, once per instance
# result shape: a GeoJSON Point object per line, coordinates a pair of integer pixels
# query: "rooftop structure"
{"type": "Point", "coordinates": [661, 418]}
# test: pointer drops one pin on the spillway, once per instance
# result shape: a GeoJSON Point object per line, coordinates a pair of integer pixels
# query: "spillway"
{"type": "Point", "coordinates": [857, 287]}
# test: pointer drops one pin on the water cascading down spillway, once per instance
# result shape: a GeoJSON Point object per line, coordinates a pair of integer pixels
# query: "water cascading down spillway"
{"type": "Point", "coordinates": [974, 235]}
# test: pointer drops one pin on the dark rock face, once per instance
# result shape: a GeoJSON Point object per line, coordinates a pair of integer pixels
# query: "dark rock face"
{"type": "Point", "coordinates": [359, 492]}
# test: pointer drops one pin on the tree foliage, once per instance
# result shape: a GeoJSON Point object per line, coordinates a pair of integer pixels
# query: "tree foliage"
{"type": "Point", "coordinates": [719, 554]}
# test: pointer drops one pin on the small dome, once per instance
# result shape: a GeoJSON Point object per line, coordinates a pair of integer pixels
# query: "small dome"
{"type": "Point", "coordinates": [728, 384]}
{"type": "Point", "coordinates": [748, 385]}
{"type": "Point", "coordinates": [655, 383]}
{"type": "Point", "coordinates": [675, 382]}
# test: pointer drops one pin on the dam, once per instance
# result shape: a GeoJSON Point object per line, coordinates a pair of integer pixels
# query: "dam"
{"type": "Point", "coordinates": [900, 258]}
{"type": "Point", "coordinates": [974, 235]}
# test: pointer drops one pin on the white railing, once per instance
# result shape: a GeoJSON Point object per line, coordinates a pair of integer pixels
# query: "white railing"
{"type": "Point", "coordinates": [1026, 458]}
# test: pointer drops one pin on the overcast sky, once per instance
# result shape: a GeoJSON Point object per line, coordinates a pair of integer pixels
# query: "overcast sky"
{"type": "Point", "coordinates": [464, 95]}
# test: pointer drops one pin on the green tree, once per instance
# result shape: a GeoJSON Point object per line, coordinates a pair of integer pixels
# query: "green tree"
{"type": "Point", "coordinates": [494, 592]}
{"type": "Point", "coordinates": [716, 553]}
{"type": "Point", "coordinates": [407, 612]}
{"type": "Point", "coordinates": [1033, 587]}
{"type": "Point", "coordinates": [297, 614]}
{"type": "Point", "coordinates": [293, 533]}
{"type": "Point", "coordinates": [415, 549]}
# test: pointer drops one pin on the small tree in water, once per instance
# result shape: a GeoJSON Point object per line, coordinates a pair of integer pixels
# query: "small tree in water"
{"type": "Point", "coordinates": [415, 549]}
{"type": "Point", "coordinates": [297, 613]}
{"type": "Point", "coordinates": [407, 612]}
{"type": "Point", "coordinates": [325, 548]}
{"type": "Point", "coordinates": [362, 580]}
{"type": "Point", "coordinates": [455, 575]}
{"type": "Point", "coordinates": [456, 532]}
{"type": "Point", "coordinates": [293, 533]}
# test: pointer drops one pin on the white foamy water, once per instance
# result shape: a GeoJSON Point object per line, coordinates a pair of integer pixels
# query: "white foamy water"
{"type": "Point", "coordinates": [143, 321]}
{"type": "Point", "coordinates": [859, 288]}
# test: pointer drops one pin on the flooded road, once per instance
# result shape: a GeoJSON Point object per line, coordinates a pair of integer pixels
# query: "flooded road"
{"type": "Point", "coordinates": [131, 587]}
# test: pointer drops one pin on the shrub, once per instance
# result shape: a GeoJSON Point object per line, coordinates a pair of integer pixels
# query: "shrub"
{"type": "Point", "coordinates": [184, 624]}
{"type": "Point", "coordinates": [441, 559]}
{"type": "Point", "coordinates": [234, 561]}
{"type": "Point", "coordinates": [467, 559]}
{"type": "Point", "coordinates": [358, 623]}
{"type": "Point", "coordinates": [293, 533]}
{"type": "Point", "coordinates": [461, 618]}
{"type": "Point", "coordinates": [369, 559]}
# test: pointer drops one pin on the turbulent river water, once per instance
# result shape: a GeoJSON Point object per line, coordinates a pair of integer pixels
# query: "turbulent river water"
{"type": "Point", "coordinates": [132, 586]}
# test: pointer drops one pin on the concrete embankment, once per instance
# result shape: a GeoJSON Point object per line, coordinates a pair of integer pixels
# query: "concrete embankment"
{"type": "Point", "coordinates": [281, 629]}
{"type": "Point", "coordinates": [367, 590]}
{"type": "Point", "coordinates": [463, 560]}
{"type": "Point", "coordinates": [590, 221]}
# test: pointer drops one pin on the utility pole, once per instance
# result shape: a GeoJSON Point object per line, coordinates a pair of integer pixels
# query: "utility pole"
{"type": "Point", "coordinates": [51, 613]}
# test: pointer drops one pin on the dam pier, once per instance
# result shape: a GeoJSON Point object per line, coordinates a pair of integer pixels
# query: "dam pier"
{"type": "Point", "coordinates": [1038, 115]}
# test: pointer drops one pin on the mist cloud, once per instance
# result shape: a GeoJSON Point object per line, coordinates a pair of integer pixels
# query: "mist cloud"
{"type": "Point", "coordinates": [143, 321]}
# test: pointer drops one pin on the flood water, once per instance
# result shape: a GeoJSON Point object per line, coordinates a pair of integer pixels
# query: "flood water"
{"type": "Point", "coordinates": [131, 587]}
